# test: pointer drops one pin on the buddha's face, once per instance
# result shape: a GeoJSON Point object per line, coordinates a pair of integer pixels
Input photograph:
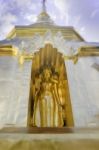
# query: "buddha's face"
{"type": "Point", "coordinates": [47, 74]}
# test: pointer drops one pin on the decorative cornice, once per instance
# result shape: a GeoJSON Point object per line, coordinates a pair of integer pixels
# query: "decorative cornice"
{"type": "Point", "coordinates": [71, 50]}
{"type": "Point", "coordinates": [8, 50]}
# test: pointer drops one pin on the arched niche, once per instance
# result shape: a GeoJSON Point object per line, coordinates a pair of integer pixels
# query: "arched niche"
{"type": "Point", "coordinates": [51, 58]}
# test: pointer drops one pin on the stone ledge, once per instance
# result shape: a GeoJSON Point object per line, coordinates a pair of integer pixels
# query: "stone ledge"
{"type": "Point", "coordinates": [48, 130]}
{"type": "Point", "coordinates": [46, 138]}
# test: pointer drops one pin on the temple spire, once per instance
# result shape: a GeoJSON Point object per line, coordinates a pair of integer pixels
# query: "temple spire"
{"type": "Point", "coordinates": [43, 17]}
{"type": "Point", "coordinates": [44, 6]}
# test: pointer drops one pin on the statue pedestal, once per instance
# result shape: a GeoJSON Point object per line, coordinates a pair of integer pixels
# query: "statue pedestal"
{"type": "Point", "coordinates": [37, 130]}
{"type": "Point", "coordinates": [49, 138]}
{"type": "Point", "coordinates": [48, 130]}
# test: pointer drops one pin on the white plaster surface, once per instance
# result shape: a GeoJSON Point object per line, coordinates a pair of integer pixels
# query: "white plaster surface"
{"type": "Point", "coordinates": [84, 91]}
{"type": "Point", "coordinates": [14, 91]}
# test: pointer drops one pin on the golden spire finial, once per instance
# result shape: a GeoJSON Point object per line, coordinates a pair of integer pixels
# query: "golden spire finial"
{"type": "Point", "coordinates": [44, 6]}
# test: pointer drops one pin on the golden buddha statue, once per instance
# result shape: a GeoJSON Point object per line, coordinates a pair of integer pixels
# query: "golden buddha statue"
{"type": "Point", "coordinates": [47, 104]}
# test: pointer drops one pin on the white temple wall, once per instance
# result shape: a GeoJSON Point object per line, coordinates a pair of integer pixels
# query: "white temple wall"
{"type": "Point", "coordinates": [24, 83]}
{"type": "Point", "coordinates": [14, 91]}
{"type": "Point", "coordinates": [15, 85]}
{"type": "Point", "coordinates": [84, 91]}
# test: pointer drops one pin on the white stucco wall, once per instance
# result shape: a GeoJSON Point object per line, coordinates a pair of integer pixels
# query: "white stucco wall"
{"type": "Point", "coordinates": [14, 91]}
{"type": "Point", "coordinates": [84, 91]}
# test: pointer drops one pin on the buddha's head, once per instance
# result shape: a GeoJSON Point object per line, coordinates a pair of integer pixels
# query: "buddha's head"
{"type": "Point", "coordinates": [47, 73]}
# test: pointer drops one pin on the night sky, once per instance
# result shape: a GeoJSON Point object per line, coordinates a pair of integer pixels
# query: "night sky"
{"type": "Point", "coordinates": [83, 15]}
